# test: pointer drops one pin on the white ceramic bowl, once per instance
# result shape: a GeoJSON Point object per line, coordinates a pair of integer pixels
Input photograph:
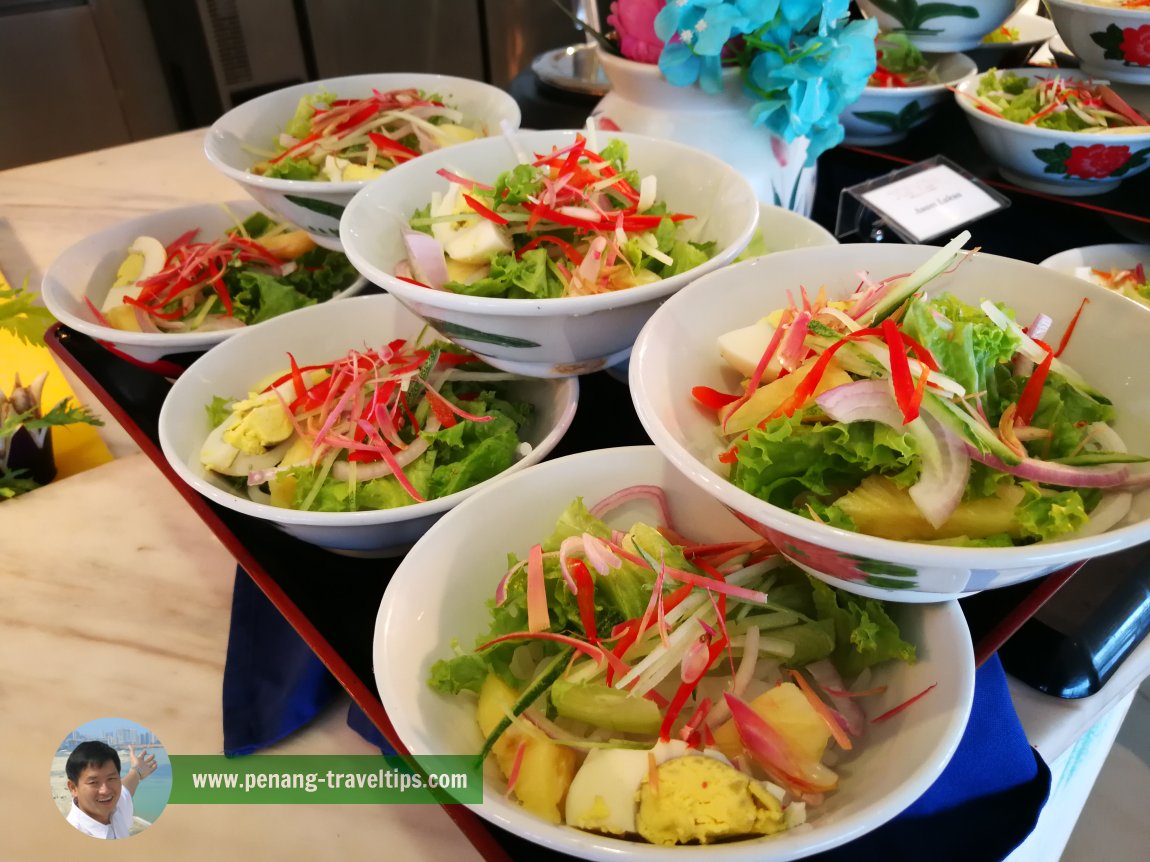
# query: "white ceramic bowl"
{"type": "Point", "coordinates": [547, 337]}
{"type": "Point", "coordinates": [426, 604]}
{"type": "Point", "coordinates": [677, 351]}
{"type": "Point", "coordinates": [1109, 41]}
{"type": "Point", "coordinates": [885, 115]}
{"type": "Point", "coordinates": [1102, 257]}
{"type": "Point", "coordinates": [235, 139]}
{"type": "Point", "coordinates": [1052, 161]}
{"type": "Point", "coordinates": [1034, 31]}
{"type": "Point", "coordinates": [782, 229]}
{"type": "Point", "coordinates": [939, 27]}
{"type": "Point", "coordinates": [88, 268]}
{"type": "Point", "coordinates": [319, 334]}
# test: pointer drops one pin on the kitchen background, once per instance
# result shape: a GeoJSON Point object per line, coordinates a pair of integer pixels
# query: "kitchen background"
{"type": "Point", "coordinates": [78, 75]}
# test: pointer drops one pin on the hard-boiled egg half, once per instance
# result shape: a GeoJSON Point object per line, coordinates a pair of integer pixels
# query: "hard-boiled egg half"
{"type": "Point", "coordinates": [258, 434]}
{"type": "Point", "coordinates": [146, 257]}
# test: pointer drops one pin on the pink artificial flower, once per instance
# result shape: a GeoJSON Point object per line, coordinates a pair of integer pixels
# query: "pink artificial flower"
{"type": "Point", "coordinates": [634, 21]}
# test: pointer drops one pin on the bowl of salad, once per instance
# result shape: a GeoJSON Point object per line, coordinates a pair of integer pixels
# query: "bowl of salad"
{"type": "Point", "coordinates": [909, 422]}
{"type": "Point", "coordinates": [1121, 267]}
{"type": "Point", "coordinates": [545, 252]}
{"type": "Point", "coordinates": [939, 27]}
{"type": "Point", "coordinates": [1012, 44]}
{"type": "Point", "coordinates": [905, 90]}
{"type": "Point", "coordinates": [304, 151]}
{"type": "Point", "coordinates": [184, 280]}
{"type": "Point", "coordinates": [611, 654]}
{"type": "Point", "coordinates": [353, 426]}
{"type": "Point", "coordinates": [1056, 131]}
{"type": "Point", "coordinates": [1110, 38]}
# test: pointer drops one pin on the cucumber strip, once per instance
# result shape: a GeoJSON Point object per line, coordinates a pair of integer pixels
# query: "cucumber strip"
{"type": "Point", "coordinates": [1091, 459]}
{"type": "Point", "coordinates": [937, 264]}
{"type": "Point", "coordinates": [542, 682]}
{"type": "Point", "coordinates": [603, 706]}
{"type": "Point", "coordinates": [970, 429]}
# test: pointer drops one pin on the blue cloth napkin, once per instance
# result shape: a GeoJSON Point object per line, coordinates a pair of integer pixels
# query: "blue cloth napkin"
{"type": "Point", "coordinates": [273, 683]}
{"type": "Point", "coordinates": [981, 807]}
{"type": "Point", "coordinates": [984, 803]}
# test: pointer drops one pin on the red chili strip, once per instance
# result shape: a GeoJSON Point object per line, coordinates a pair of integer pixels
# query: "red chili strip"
{"type": "Point", "coordinates": [1032, 391]}
{"type": "Point", "coordinates": [713, 398]}
{"type": "Point", "coordinates": [585, 597]}
{"type": "Point", "coordinates": [386, 144]}
{"type": "Point", "coordinates": [686, 689]}
{"type": "Point", "coordinates": [486, 212]}
{"type": "Point", "coordinates": [903, 383]}
{"type": "Point", "coordinates": [1070, 329]}
{"type": "Point", "coordinates": [569, 250]}
{"type": "Point", "coordinates": [891, 713]}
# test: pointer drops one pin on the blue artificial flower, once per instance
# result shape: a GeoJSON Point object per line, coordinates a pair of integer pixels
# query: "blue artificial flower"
{"type": "Point", "coordinates": [807, 62]}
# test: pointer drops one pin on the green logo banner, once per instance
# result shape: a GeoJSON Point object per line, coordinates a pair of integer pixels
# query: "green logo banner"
{"type": "Point", "coordinates": [325, 779]}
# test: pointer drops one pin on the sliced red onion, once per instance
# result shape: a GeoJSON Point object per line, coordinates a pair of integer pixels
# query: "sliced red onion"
{"type": "Point", "coordinates": [375, 469]}
{"type": "Point", "coordinates": [945, 463]}
{"type": "Point", "coordinates": [425, 257]}
{"type": "Point", "coordinates": [570, 546]}
{"type": "Point", "coordinates": [772, 752]}
{"type": "Point", "coordinates": [501, 588]}
{"type": "Point", "coordinates": [599, 554]}
{"type": "Point", "coordinates": [144, 320]}
{"type": "Point", "coordinates": [635, 492]}
{"type": "Point", "coordinates": [827, 678]}
{"type": "Point", "coordinates": [945, 470]}
{"type": "Point", "coordinates": [869, 400]}
{"type": "Point", "coordinates": [1066, 475]}
{"type": "Point", "coordinates": [258, 477]}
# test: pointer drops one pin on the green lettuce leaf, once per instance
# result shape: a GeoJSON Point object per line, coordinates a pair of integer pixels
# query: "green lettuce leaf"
{"type": "Point", "coordinates": [787, 462]}
{"type": "Point", "coordinates": [865, 635]}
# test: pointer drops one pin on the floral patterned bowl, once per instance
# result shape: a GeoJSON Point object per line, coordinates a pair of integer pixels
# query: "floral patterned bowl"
{"type": "Point", "coordinates": [1053, 161]}
{"type": "Point", "coordinates": [885, 115]}
{"type": "Point", "coordinates": [939, 27]}
{"type": "Point", "coordinates": [677, 350]}
{"type": "Point", "coordinates": [1109, 39]}
{"type": "Point", "coordinates": [547, 337]}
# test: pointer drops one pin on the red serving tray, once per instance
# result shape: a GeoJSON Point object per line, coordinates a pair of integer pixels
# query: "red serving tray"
{"type": "Point", "coordinates": [336, 617]}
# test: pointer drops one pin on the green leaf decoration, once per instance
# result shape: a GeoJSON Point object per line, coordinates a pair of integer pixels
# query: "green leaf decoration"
{"type": "Point", "coordinates": [326, 208]}
{"type": "Point", "coordinates": [889, 570]}
{"type": "Point", "coordinates": [1055, 158]}
{"type": "Point", "coordinates": [21, 317]}
{"type": "Point", "coordinates": [454, 330]}
{"type": "Point", "coordinates": [889, 583]}
{"type": "Point", "coordinates": [911, 15]}
{"type": "Point", "coordinates": [880, 118]}
{"type": "Point", "coordinates": [1136, 160]}
{"type": "Point", "coordinates": [1110, 41]}
{"type": "Point", "coordinates": [902, 121]}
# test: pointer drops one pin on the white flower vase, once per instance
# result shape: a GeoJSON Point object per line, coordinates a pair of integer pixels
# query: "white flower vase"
{"type": "Point", "coordinates": [641, 100]}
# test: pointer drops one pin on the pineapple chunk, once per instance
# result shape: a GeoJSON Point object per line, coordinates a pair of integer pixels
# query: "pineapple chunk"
{"type": "Point", "coordinates": [546, 770]}
{"type": "Point", "coordinates": [878, 507]}
{"type": "Point", "coordinates": [767, 399]}
{"type": "Point", "coordinates": [786, 709]}
{"type": "Point", "coordinates": [743, 348]}
{"type": "Point", "coordinates": [288, 246]}
{"type": "Point", "coordinates": [123, 317]}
